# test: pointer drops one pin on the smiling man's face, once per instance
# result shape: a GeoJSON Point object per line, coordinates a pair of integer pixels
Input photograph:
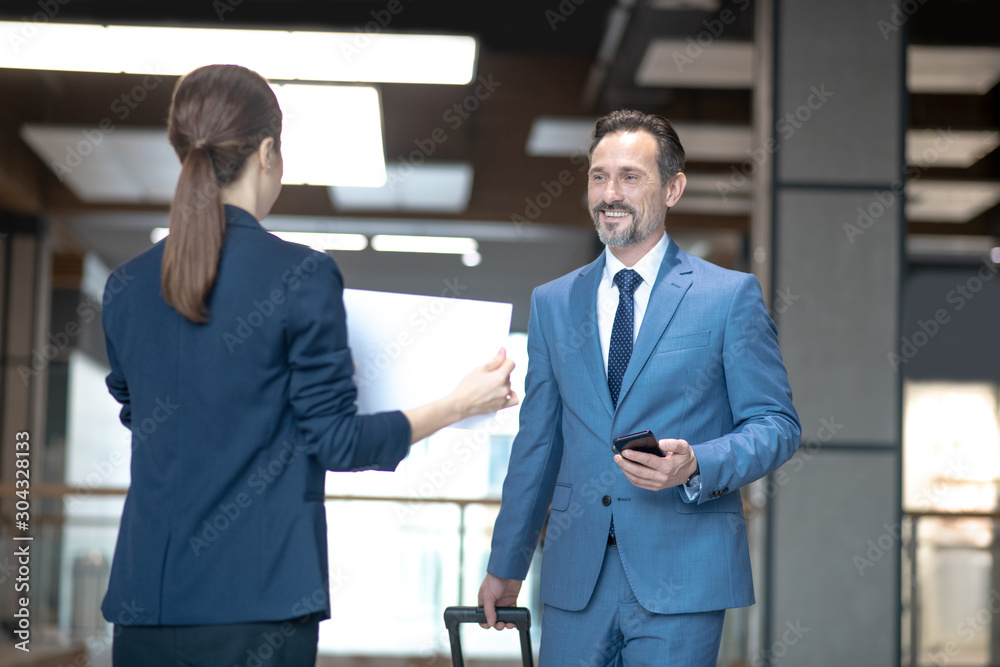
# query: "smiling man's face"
{"type": "Point", "coordinates": [626, 198]}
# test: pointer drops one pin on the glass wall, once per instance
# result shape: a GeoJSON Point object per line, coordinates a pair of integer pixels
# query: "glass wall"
{"type": "Point", "coordinates": [951, 590]}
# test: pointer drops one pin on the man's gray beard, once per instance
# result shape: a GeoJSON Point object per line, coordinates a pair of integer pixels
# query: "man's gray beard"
{"type": "Point", "coordinates": [630, 235]}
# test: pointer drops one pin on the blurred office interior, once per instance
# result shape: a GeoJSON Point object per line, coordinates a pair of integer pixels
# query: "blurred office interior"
{"type": "Point", "coordinates": [845, 153]}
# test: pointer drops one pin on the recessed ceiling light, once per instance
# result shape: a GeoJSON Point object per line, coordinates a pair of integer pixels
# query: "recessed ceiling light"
{"type": "Point", "coordinates": [948, 147]}
{"type": "Point", "coordinates": [678, 63]}
{"type": "Point", "coordinates": [321, 241]}
{"type": "Point", "coordinates": [949, 201]}
{"type": "Point", "coordinates": [331, 135]}
{"type": "Point", "coordinates": [442, 187]}
{"type": "Point", "coordinates": [970, 70]}
{"type": "Point", "coordinates": [129, 164]}
{"type": "Point", "coordinates": [556, 136]}
{"type": "Point", "coordinates": [682, 63]}
{"type": "Point", "coordinates": [275, 54]}
{"type": "Point", "coordinates": [450, 245]}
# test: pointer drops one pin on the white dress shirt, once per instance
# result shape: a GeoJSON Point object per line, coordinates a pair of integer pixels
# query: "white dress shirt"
{"type": "Point", "coordinates": [607, 292]}
{"type": "Point", "coordinates": [607, 306]}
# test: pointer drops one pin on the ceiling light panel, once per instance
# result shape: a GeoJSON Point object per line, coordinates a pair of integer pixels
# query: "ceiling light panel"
{"type": "Point", "coordinates": [952, 69]}
{"type": "Point", "coordinates": [555, 136]}
{"type": "Point", "coordinates": [124, 165]}
{"type": "Point", "coordinates": [678, 63]}
{"type": "Point", "coordinates": [331, 135]}
{"type": "Point", "coordinates": [949, 201]}
{"type": "Point", "coordinates": [949, 148]}
{"type": "Point", "coordinates": [449, 245]}
{"type": "Point", "coordinates": [275, 54]}
{"type": "Point", "coordinates": [434, 187]}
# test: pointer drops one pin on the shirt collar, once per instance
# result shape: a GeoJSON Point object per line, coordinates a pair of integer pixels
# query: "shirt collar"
{"type": "Point", "coordinates": [647, 267]}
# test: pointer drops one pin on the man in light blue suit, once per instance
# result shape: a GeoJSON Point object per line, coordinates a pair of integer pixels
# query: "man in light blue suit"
{"type": "Point", "coordinates": [642, 554]}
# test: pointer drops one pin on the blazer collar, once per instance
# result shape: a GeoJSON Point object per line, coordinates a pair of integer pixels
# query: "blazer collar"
{"type": "Point", "coordinates": [583, 306]}
{"type": "Point", "coordinates": [672, 283]}
{"type": "Point", "coordinates": [238, 217]}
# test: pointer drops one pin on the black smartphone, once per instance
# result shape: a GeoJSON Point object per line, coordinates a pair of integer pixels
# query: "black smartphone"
{"type": "Point", "coordinates": [643, 441]}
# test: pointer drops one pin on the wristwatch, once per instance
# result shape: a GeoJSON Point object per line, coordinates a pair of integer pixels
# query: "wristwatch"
{"type": "Point", "coordinates": [697, 471]}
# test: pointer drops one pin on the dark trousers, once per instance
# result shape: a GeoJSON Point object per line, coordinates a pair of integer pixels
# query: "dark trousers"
{"type": "Point", "coordinates": [289, 643]}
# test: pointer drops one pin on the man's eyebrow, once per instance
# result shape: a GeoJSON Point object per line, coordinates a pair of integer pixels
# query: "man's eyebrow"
{"type": "Point", "coordinates": [627, 167]}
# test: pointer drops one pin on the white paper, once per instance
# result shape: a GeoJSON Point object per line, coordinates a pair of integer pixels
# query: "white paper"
{"type": "Point", "coordinates": [410, 350]}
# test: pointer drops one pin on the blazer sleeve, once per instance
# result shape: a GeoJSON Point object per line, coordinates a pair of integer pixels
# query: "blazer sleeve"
{"type": "Point", "coordinates": [322, 390]}
{"type": "Point", "coordinates": [767, 429]}
{"type": "Point", "coordinates": [534, 462]}
{"type": "Point", "coordinates": [117, 384]}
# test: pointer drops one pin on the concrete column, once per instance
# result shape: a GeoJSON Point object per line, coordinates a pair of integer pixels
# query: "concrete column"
{"type": "Point", "coordinates": [24, 288]}
{"type": "Point", "coordinates": [832, 255]}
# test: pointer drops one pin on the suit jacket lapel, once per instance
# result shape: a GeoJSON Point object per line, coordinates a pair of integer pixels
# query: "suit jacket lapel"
{"type": "Point", "coordinates": [672, 283]}
{"type": "Point", "coordinates": [583, 306]}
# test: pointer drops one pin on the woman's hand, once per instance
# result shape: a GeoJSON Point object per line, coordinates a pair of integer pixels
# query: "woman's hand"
{"type": "Point", "coordinates": [486, 389]}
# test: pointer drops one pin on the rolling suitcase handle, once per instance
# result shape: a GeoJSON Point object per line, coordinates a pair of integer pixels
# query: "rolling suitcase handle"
{"type": "Point", "coordinates": [519, 616]}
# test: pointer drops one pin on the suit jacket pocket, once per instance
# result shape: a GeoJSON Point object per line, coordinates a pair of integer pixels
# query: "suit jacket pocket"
{"type": "Point", "coordinates": [560, 497]}
{"type": "Point", "coordinates": [683, 342]}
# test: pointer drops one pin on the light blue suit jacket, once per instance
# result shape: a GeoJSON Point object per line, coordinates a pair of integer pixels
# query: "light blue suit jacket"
{"type": "Point", "coordinates": [705, 368]}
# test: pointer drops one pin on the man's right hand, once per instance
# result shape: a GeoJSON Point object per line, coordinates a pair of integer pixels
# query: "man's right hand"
{"type": "Point", "coordinates": [496, 592]}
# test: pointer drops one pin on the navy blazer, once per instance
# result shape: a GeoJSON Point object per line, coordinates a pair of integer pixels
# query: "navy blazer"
{"type": "Point", "coordinates": [234, 423]}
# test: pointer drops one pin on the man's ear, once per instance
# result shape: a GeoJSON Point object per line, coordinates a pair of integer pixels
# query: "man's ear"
{"type": "Point", "coordinates": [675, 188]}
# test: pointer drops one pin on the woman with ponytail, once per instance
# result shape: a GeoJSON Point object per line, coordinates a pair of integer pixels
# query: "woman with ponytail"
{"type": "Point", "coordinates": [228, 352]}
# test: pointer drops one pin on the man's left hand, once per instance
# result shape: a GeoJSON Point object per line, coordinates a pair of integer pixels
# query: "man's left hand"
{"type": "Point", "coordinates": [648, 471]}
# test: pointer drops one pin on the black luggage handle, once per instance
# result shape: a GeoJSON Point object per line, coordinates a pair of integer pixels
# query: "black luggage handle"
{"type": "Point", "coordinates": [519, 616]}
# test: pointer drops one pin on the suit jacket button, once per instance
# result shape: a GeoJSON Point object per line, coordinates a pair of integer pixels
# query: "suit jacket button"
{"type": "Point", "coordinates": [725, 490]}
{"type": "Point", "coordinates": [606, 500]}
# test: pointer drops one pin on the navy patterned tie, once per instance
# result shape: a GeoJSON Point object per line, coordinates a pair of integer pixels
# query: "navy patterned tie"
{"type": "Point", "coordinates": [621, 333]}
{"type": "Point", "coordinates": [620, 350]}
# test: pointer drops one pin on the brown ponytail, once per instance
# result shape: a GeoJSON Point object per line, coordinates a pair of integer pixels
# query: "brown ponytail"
{"type": "Point", "coordinates": [219, 116]}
